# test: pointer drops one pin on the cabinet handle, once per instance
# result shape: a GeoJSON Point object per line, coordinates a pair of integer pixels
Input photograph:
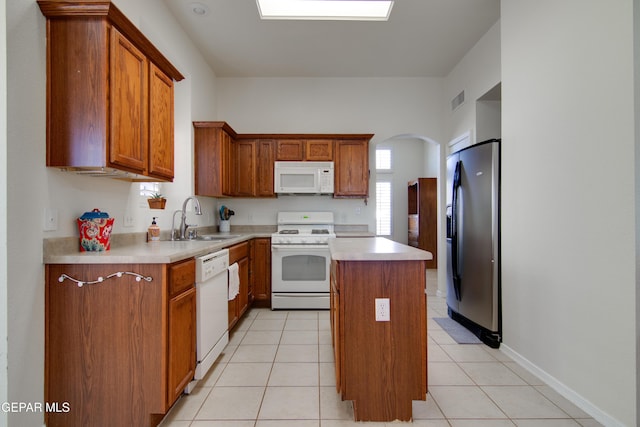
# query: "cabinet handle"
{"type": "Point", "coordinates": [101, 279]}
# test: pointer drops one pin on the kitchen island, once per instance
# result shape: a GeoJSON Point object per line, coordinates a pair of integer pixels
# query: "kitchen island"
{"type": "Point", "coordinates": [378, 326]}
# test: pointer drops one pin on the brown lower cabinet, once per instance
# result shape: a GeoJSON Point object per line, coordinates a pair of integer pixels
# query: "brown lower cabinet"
{"type": "Point", "coordinates": [260, 273]}
{"type": "Point", "coordinates": [118, 351]}
{"type": "Point", "coordinates": [238, 306]}
{"type": "Point", "coordinates": [182, 328]}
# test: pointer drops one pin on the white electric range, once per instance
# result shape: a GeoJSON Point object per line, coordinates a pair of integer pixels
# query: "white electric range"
{"type": "Point", "coordinates": [300, 260]}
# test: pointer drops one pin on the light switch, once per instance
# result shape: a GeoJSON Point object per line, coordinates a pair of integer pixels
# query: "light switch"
{"type": "Point", "coordinates": [50, 219]}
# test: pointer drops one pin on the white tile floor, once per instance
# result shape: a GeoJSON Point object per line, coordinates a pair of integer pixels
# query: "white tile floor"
{"type": "Point", "coordinates": [277, 371]}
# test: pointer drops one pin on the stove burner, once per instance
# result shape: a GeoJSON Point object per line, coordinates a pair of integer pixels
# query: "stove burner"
{"type": "Point", "coordinates": [288, 232]}
{"type": "Point", "coordinates": [319, 231]}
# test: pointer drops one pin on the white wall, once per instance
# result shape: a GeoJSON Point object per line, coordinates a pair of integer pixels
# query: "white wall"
{"type": "Point", "coordinates": [636, 63]}
{"type": "Point", "coordinates": [568, 240]}
{"type": "Point", "coordinates": [32, 187]}
{"type": "Point", "coordinates": [386, 107]}
{"type": "Point", "coordinates": [476, 73]}
{"type": "Point", "coordinates": [3, 212]}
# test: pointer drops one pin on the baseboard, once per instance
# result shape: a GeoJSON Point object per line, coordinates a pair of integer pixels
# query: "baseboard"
{"type": "Point", "coordinates": [566, 392]}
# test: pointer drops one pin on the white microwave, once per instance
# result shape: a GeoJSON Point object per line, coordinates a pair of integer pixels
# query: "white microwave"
{"type": "Point", "coordinates": [303, 177]}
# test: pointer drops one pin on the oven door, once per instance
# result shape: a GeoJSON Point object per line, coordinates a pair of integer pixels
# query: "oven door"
{"type": "Point", "coordinates": [300, 268]}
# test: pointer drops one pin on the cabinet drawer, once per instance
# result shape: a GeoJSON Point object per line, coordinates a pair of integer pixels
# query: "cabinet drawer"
{"type": "Point", "coordinates": [182, 276]}
{"type": "Point", "coordinates": [239, 251]}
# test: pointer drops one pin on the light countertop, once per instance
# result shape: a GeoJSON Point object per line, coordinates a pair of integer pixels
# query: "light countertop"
{"type": "Point", "coordinates": [162, 252]}
{"type": "Point", "coordinates": [132, 251]}
{"type": "Point", "coordinates": [374, 249]}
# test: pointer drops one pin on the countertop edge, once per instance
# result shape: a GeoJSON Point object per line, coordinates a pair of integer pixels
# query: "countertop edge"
{"type": "Point", "coordinates": [162, 252]}
{"type": "Point", "coordinates": [375, 249]}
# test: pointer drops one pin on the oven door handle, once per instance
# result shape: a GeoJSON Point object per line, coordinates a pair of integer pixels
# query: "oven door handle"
{"type": "Point", "coordinates": [312, 247]}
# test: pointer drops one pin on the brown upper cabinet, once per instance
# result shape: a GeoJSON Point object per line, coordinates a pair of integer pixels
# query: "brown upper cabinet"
{"type": "Point", "coordinates": [265, 155]}
{"type": "Point", "coordinates": [253, 171]}
{"type": "Point", "coordinates": [245, 165]}
{"type": "Point", "coordinates": [351, 168]}
{"type": "Point", "coordinates": [312, 150]}
{"type": "Point", "coordinates": [290, 149]}
{"type": "Point", "coordinates": [213, 159]}
{"type": "Point", "coordinates": [228, 164]}
{"type": "Point", "coordinates": [109, 93]}
{"type": "Point", "coordinates": [318, 150]}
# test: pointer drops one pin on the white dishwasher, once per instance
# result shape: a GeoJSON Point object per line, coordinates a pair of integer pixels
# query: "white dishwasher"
{"type": "Point", "coordinates": [212, 317]}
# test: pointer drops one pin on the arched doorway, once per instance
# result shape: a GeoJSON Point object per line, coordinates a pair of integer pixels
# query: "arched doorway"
{"type": "Point", "coordinates": [414, 156]}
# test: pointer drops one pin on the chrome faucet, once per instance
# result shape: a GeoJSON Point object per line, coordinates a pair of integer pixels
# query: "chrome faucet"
{"type": "Point", "coordinates": [174, 235]}
{"type": "Point", "coordinates": [183, 219]}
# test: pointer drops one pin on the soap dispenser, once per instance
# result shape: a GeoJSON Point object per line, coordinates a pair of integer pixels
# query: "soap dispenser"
{"type": "Point", "coordinates": [154, 231]}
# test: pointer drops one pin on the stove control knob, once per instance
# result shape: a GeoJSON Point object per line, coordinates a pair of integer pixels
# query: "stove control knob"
{"type": "Point", "coordinates": [303, 240]}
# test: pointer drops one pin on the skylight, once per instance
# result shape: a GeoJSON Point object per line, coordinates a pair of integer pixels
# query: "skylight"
{"type": "Point", "coordinates": [328, 10]}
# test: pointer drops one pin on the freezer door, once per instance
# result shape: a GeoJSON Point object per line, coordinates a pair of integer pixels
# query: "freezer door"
{"type": "Point", "coordinates": [452, 300]}
{"type": "Point", "coordinates": [478, 235]}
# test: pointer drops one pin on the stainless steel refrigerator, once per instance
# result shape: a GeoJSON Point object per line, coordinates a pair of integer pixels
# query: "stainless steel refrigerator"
{"type": "Point", "coordinates": [473, 240]}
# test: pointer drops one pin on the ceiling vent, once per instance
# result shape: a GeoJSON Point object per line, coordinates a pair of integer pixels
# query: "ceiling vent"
{"type": "Point", "coordinates": [457, 101]}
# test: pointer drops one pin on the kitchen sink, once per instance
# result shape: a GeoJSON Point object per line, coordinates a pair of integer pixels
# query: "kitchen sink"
{"type": "Point", "coordinates": [217, 237]}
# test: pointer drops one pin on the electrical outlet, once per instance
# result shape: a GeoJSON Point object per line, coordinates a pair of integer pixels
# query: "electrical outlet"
{"type": "Point", "coordinates": [382, 310]}
{"type": "Point", "coordinates": [129, 220]}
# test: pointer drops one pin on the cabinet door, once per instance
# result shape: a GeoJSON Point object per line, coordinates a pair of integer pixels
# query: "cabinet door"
{"type": "Point", "coordinates": [290, 149]}
{"type": "Point", "coordinates": [160, 124]}
{"type": "Point", "coordinates": [351, 168]}
{"type": "Point", "coordinates": [182, 342]}
{"type": "Point", "coordinates": [225, 163]}
{"type": "Point", "coordinates": [260, 274]}
{"type": "Point", "coordinates": [128, 137]}
{"type": "Point", "coordinates": [233, 312]}
{"type": "Point", "coordinates": [212, 160]}
{"type": "Point", "coordinates": [245, 168]}
{"type": "Point", "coordinates": [77, 129]}
{"type": "Point", "coordinates": [240, 253]}
{"type": "Point", "coordinates": [243, 296]}
{"type": "Point", "coordinates": [265, 156]}
{"type": "Point", "coordinates": [318, 150]}
{"type": "Point", "coordinates": [335, 326]}
{"type": "Point", "coordinates": [108, 337]}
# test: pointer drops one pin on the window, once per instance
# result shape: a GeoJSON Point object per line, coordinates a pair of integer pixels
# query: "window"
{"type": "Point", "coordinates": [384, 175]}
{"type": "Point", "coordinates": [147, 189]}
{"type": "Point", "coordinates": [383, 208]}
{"type": "Point", "coordinates": [383, 160]}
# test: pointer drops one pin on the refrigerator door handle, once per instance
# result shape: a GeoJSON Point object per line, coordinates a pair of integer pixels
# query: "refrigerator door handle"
{"type": "Point", "coordinates": [454, 230]}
